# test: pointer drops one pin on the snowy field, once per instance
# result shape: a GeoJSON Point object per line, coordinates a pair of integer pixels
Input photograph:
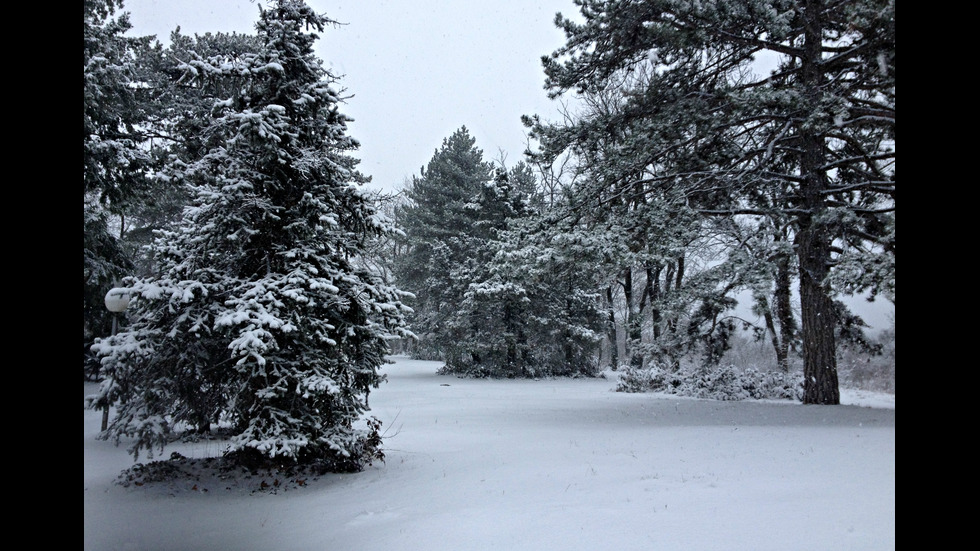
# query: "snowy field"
{"type": "Point", "coordinates": [556, 464]}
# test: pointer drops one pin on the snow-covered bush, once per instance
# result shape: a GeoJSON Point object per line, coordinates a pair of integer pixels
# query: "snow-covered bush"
{"type": "Point", "coordinates": [725, 382]}
{"type": "Point", "coordinates": [653, 378]}
{"type": "Point", "coordinates": [728, 382]}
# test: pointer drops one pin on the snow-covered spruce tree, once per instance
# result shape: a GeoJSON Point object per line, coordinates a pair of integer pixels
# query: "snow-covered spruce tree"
{"type": "Point", "coordinates": [487, 321]}
{"type": "Point", "coordinates": [113, 162]}
{"type": "Point", "coordinates": [262, 319]}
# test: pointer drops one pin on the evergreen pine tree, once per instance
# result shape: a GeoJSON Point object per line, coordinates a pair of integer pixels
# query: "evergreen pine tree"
{"type": "Point", "coordinates": [442, 242]}
{"type": "Point", "coordinates": [492, 300]}
{"type": "Point", "coordinates": [263, 320]}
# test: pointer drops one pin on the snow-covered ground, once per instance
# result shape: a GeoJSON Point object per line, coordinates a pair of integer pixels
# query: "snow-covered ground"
{"type": "Point", "coordinates": [554, 464]}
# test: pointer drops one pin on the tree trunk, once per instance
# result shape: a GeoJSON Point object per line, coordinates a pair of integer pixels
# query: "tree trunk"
{"type": "Point", "coordinates": [611, 330]}
{"type": "Point", "coordinates": [777, 346]}
{"type": "Point", "coordinates": [632, 322]}
{"type": "Point", "coordinates": [784, 313]}
{"type": "Point", "coordinates": [820, 384]}
{"type": "Point", "coordinates": [511, 337]}
{"type": "Point", "coordinates": [680, 272]}
{"type": "Point", "coordinates": [675, 275]}
{"type": "Point", "coordinates": [653, 294]}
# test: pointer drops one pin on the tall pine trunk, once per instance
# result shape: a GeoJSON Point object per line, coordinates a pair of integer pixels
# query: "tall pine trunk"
{"type": "Point", "coordinates": [820, 384]}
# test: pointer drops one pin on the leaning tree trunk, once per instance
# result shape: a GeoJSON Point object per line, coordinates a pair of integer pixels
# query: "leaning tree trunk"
{"type": "Point", "coordinates": [781, 356]}
{"type": "Point", "coordinates": [611, 330]}
{"type": "Point", "coordinates": [784, 312]}
{"type": "Point", "coordinates": [820, 384]}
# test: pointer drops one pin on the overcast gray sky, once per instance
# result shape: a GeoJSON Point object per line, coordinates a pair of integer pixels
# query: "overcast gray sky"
{"type": "Point", "coordinates": [418, 70]}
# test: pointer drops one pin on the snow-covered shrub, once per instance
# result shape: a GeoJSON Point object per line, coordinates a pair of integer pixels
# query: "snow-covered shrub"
{"type": "Point", "coordinates": [493, 365]}
{"type": "Point", "coordinates": [777, 384]}
{"type": "Point", "coordinates": [653, 378]}
{"type": "Point", "coordinates": [726, 382]}
{"type": "Point", "coordinates": [722, 383]}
